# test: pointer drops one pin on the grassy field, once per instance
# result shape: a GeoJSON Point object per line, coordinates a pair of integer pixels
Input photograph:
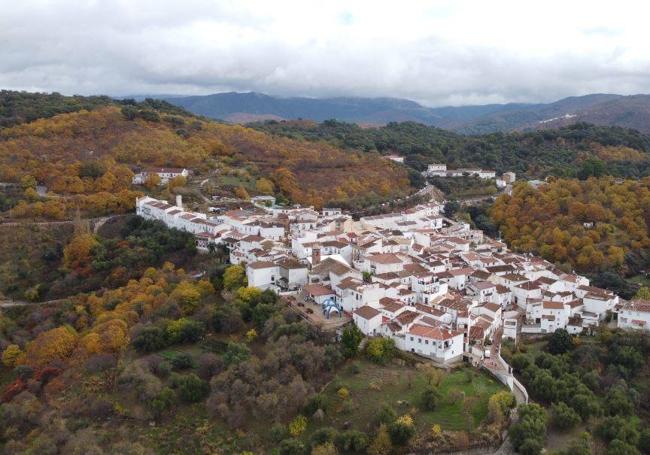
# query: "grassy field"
{"type": "Point", "coordinates": [372, 386]}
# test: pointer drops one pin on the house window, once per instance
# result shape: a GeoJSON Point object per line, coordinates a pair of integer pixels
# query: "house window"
{"type": "Point", "coordinates": [420, 340]}
{"type": "Point", "coordinates": [426, 341]}
{"type": "Point", "coordinates": [411, 338]}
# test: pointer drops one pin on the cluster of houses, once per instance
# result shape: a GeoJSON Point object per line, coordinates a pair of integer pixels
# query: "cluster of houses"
{"type": "Point", "coordinates": [440, 170]}
{"type": "Point", "coordinates": [165, 173]}
{"type": "Point", "coordinates": [437, 287]}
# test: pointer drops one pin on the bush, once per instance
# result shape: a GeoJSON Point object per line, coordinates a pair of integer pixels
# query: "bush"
{"type": "Point", "coordinates": [209, 365]}
{"type": "Point", "coordinates": [351, 441]}
{"type": "Point", "coordinates": [184, 331]}
{"type": "Point", "coordinates": [322, 436]}
{"type": "Point", "coordinates": [182, 361]}
{"type": "Point", "coordinates": [236, 353]}
{"type": "Point", "coordinates": [163, 401]}
{"type": "Point", "coordinates": [386, 415]}
{"type": "Point", "coordinates": [560, 342]}
{"type": "Point", "coordinates": [401, 430]}
{"type": "Point", "coordinates": [528, 434]}
{"type": "Point", "coordinates": [150, 339]}
{"type": "Point", "coordinates": [291, 447]}
{"type": "Point", "coordinates": [564, 417]}
{"type": "Point", "coordinates": [350, 340]}
{"type": "Point", "coordinates": [100, 363]}
{"type": "Point", "coordinates": [430, 398]}
{"type": "Point", "coordinates": [190, 387]}
{"type": "Point", "coordinates": [298, 426]}
{"type": "Point", "coordinates": [618, 447]}
{"type": "Point", "coordinates": [315, 403]}
{"type": "Point", "coordinates": [380, 350]}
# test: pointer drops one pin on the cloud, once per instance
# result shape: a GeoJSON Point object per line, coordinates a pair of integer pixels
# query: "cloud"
{"type": "Point", "coordinates": [436, 52]}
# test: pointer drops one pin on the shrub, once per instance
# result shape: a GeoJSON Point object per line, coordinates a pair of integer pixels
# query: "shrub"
{"type": "Point", "coordinates": [291, 447]}
{"type": "Point", "coordinates": [182, 361]}
{"type": "Point", "coordinates": [297, 426]}
{"type": "Point", "coordinates": [150, 339]}
{"type": "Point", "coordinates": [351, 441]}
{"type": "Point", "coordinates": [322, 436]}
{"type": "Point", "coordinates": [163, 401]}
{"type": "Point", "coordinates": [184, 331]}
{"type": "Point", "coordinates": [430, 398]}
{"type": "Point", "coordinates": [380, 349]}
{"type": "Point", "coordinates": [350, 340]}
{"type": "Point", "coordinates": [100, 362]}
{"type": "Point", "coordinates": [401, 430]}
{"type": "Point", "coordinates": [209, 365]}
{"type": "Point", "coordinates": [564, 417]}
{"type": "Point", "coordinates": [236, 353]}
{"type": "Point", "coordinates": [386, 415]}
{"type": "Point", "coordinates": [190, 387]}
{"type": "Point", "coordinates": [325, 449]}
{"type": "Point", "coordinates": [560, 342]}
{"type": "Point", "coordinates": [528, 434]}
{"type": "Point", "coordinates": [10, 355]}
{"type": "Point", "coordinates": [315, 403]}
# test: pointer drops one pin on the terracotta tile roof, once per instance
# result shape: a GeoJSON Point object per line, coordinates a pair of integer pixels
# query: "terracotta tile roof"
{"type": "Point", "coordinates": [384, 258]}
{"type": "Point", "coordinates": [367, 312]}
{"type": "Point", "coordinates": [317, 290]}
{"type": "Point", "coordinates": [433, 333]}
{"type": "Point", "coordinates": [261, 265]}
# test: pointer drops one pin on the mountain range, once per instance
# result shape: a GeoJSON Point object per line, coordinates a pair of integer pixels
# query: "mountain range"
{"type": "Point", "coordinates": [601, 109]}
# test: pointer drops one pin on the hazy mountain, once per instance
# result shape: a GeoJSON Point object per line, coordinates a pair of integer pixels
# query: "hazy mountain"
{"type": "Point", "coordinates": [603, 109]}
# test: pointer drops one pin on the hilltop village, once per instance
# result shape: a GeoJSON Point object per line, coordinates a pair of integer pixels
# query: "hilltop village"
{"type": "Point", "coordinates": [437, 287]}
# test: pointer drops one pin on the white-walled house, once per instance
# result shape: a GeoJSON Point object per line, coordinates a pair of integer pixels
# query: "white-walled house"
{"type": "Point", "coordinates": [367, 319]}
{"type": "Point", "coordinates": [635, 315]}
{"type": "Point", "coordinates": [440, 344]}
{"type": "Point", "coordinates": [383, 263]}
{"type": "Point", "coordinates": [262, 274]}
{"type": "Point", "coordinates": [165, 174]}
{"type": "Point", "coordinates": [293, 274]}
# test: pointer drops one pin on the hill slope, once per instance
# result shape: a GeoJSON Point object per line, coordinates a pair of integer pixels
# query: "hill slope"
{"type": "Point", "coordinates": [85, 159]}
{"type": "Point", "coordinates": [600, 109]}
{"type": "Point", "coordinates": [536, 154]}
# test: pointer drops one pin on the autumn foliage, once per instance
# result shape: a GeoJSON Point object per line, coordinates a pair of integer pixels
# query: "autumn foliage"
{"type": "Point", "coordinates": [588, 225]}
{"type": "Point", "coordinates": [85, 160]}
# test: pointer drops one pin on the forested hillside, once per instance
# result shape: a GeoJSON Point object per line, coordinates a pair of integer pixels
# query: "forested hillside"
{"type": "Point", "coordinates": [86, 159]}
{"type": "Point", "coordinates": [574, 151]}
{"type": "Point", "coordinates": [595, 391]}
{"type": "Point", "coordinates": [23, 107]}
{"type": "Point", "coordinates": [593, 226]}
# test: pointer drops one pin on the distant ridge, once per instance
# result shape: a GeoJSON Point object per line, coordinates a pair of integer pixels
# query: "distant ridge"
{"type": "Point", "coordinates": [602, 109]}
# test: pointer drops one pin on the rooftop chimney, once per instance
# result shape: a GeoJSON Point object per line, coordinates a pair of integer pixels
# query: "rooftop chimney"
{"type": "Point", "coordinates": [179, 201]}
{"type": "Point", "coordinates": [315, 256]}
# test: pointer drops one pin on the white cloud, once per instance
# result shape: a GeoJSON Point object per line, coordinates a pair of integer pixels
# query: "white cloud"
{"type": "Point", "coordinates": [436, 52]}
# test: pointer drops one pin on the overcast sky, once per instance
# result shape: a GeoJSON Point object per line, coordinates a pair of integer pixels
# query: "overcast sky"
{"type": "Point", "coordinates": [436, 52]}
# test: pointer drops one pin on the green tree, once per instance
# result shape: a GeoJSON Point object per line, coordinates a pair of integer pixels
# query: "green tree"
{"type": "Point", "coordinates": [350, 339]}
{"type": "Point", "coordinates": [234, 277]}
{"type": "Point", "coordinates": [643, 293]}
{"type": "Point", "coordinates": [560, 342]}
{"type": "Point", "coordinates": [564, 417]}
{"type": "Point", "coordinates": [430, 398]}
{"type": "Point", "coordinates": [618, 447]}
{"type": "Point", "coordinates": [528, 434]}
